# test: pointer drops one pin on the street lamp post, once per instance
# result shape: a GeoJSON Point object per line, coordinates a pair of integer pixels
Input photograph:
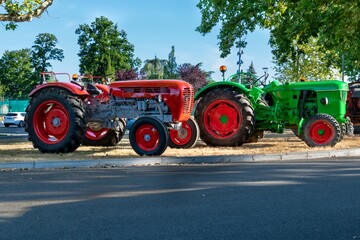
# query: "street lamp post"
{"type": "Point", "coordinates": [265, 69]}
{"type": "Point", "coordinates": [239, 61]}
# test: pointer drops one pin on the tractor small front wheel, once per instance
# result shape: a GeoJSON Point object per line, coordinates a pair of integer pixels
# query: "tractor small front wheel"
{"type": "Point", "coordinates": [186, 137]}
{"type": "Point", "coordinates": [321, 130]}
{"type": "Point", "coordinates": [148, 136]}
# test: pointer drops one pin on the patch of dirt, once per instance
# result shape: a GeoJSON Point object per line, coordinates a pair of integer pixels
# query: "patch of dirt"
{"type": "Point", "coordinates": [271, 143]}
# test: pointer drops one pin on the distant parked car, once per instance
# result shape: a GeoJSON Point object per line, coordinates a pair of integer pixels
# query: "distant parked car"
{"type": "Point", "coordinates": [14, 118]}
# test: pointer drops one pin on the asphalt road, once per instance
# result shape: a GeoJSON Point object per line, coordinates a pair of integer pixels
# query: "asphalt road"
{"type": "Point", "coordinates": [283, 200]}
{"type": "Point", "coordinates": [12, 134]}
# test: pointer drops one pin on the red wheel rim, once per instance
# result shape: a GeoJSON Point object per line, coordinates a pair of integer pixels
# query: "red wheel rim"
{"type": "Point", "coordinates": [147, 137]}
{"type": "Point", "coordinates": [182, 136]}
{"type": "Point", "coordinates": [222, 119]}
{"type": "Point", "coordinates": [96, 135]}
{"type": "Point", "coordinates": [51, 122]}
{"type": "Point", "coordinates": [321, 132]}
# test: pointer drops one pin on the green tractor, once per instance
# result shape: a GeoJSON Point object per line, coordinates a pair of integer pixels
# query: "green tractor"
{"type": "Point", "coordinates": [231, 114]}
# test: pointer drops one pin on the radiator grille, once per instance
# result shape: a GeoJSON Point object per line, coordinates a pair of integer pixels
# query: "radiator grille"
{"type": "Point", "coordinates": [188, 100]}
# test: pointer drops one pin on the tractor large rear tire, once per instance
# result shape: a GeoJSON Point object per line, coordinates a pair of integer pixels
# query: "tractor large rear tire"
{"type": "Point", "coordinates": [104, 137]}
{"type": "Point", "coordinates": [55, 121]}
{"type": "Point", "coordinates": [321, 130]}
{"type": "Point", "coordinates": [225, 118]}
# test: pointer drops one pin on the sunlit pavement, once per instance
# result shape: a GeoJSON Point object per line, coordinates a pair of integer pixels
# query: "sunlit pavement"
{"type": "Point", "coordinates": [278, 200]}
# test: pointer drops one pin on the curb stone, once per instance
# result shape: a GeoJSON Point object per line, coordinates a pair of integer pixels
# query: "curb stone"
{"type": "Point", "coordinates": [155, 161]}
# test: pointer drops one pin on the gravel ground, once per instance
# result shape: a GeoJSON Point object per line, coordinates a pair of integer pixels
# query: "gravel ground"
{"type": "Point", "coordinates": [271, 143]}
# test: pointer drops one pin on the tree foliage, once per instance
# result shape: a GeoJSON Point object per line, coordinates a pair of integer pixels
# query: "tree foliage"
{"type": "Point", "coordinates": [194, 75]}
{"type": "Point", "coordinates": [44, 50]}
{"type": "Point", "coordinates": [153, 68]}
{"type": "Point", "coordinates": [122, 75]}
{"type": "Point", "coordinates": [170, 68]}
{"type": "Point", "coordinates": [249, 77]}
{"type": "Point", "coordinates": [16, 74]}
{"type": "Point", "coordinates": [22, 11]}
{"type": "Point", "coordinates": [104, 49]}
{"type": "Point", "coordinates": [309, 62]}
{"type": "Point", "coordinates": [335, 24]}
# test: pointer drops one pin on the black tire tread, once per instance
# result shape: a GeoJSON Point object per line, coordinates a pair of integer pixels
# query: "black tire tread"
{"type": "Point", "coordinates": [75, 136]}
{"type": "Point", "coordinates": [160, 127]}
{"type": "Point", "coordinates": [245, 107]}
{"type": "Point", "coordinates": [329, 119]}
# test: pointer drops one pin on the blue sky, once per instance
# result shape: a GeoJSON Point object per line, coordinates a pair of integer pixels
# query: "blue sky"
{"type": "Point", "coordinates": [152, 26]}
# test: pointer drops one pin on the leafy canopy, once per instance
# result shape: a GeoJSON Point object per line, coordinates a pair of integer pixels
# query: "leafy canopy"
{"type": "Point", "coordinates": [104, 49]}
{"type": "Point", "coordinates": [22, 11]}
{"type": "Point", "coordinates": [153, 68]}
{"type": "Point", "coordinates": [194, 75]}
{"type": "Point", "coordinates": [16, 74]}
{"type": "Point", "coordinates": [335, 24]}
{"type": "Point", "coordinates": [44, 50]}
{"type": "Point", "coordinates": [170, 68]}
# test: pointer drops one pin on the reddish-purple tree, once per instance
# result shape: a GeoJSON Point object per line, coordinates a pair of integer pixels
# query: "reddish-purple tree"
{"type": "Point", "coordinates": [123, 75]}
{"type": "Point", "coordinates": [194, 75]}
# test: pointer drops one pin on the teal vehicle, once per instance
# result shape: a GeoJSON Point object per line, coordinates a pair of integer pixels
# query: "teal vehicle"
{"type": "Point", "coordinates": [230, 113]}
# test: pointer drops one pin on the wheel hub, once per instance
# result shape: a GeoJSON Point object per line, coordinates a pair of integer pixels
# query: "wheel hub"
{"type": "Point", "coordinates": [321, 132]}
{"type": "Point", "coordinates": [224, 119]}
{"type": "Point", "coordinates": [182, 133]}
{"type": "Point", "coordinates": [147, 137]}
{"type": "Point", "coordinates": [55, 121]}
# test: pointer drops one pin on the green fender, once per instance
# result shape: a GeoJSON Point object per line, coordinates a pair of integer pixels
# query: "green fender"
{"type": "Point", "coordinates": [236, 86]}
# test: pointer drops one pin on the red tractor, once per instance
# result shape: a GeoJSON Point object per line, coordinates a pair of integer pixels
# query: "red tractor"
{"type": "Point", "coordinates": [62, 115]}
{"type": "Point", "coordinates": [353, 104]}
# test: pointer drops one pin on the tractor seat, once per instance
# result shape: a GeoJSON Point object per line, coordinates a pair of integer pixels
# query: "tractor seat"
{"type": "Point", "coordinates": [92, 89]}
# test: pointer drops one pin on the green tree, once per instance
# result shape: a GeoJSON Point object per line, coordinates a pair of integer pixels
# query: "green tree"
{"type": "Point", "coordinates": [249, 77]}
{"type": "Point", "coordinates": [104, 49]}
{"type": "Point", "coordinates": [1, 92]}
{"type": "Point", "coordinates": [44, 50]}
{"type": "Point", "coordinates": [309, 61]}
{"type": "Point", "coordinates": [170, 68]}
{"type": "Point", "coordinates": [22, 11]}
{"type": "Point", "coordinates": [336, 25]}
{"type": "Point", "coordinates": [17, 74]}
{"type": "Point", "coordinates": [153, 68]}
{"type": "Point", "coordinates": [194, 75]}
{"type": "Point", "coordinates": [122, 75]}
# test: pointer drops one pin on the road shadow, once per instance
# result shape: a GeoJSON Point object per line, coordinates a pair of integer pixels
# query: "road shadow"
{"type": "Point", "coordinates": [262, 201]}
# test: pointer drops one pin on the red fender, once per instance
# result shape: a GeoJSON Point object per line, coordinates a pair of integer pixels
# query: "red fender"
{"type": "Point", "coordinates": [71, 87]}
